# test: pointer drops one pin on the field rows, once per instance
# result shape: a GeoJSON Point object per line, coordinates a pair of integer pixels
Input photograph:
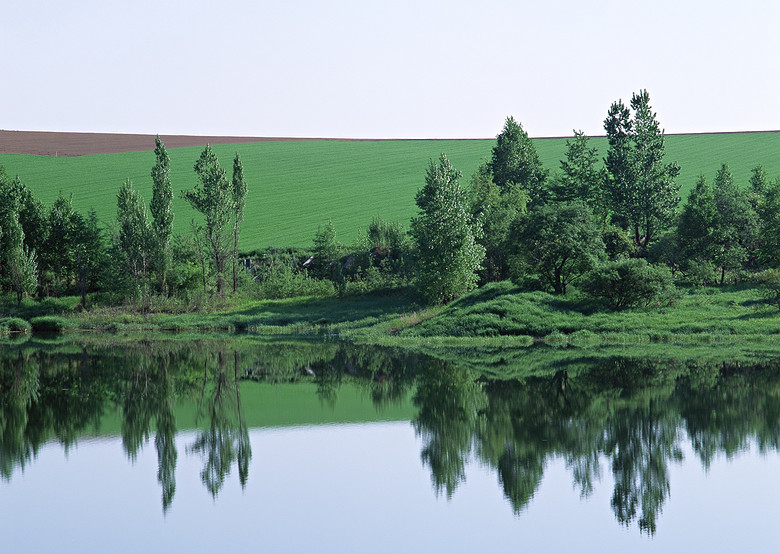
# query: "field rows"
{"type": "Point", "coordinates": [296, 186]}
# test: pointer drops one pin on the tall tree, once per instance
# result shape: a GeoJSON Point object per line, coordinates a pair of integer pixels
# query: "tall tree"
{"type": "Point", "coordinates": [580, 177]}
{"type": "Point", "coordinates": [58, 258]}
{"type": "Point", "coordinates": [515, 163]}
{"type": "Point", "coordinates": [769, 210]}
{"type": "Point", "coordinates": [213, 197]}
{"type": "Point", "coordinates": [736, 223]}
{"type": "Point", "coordinates": [12, 252]}
{"type": "Point", "coordinates": [696, 227]}
{"type": "Point", "coordinates": [134, 234]}
{"type": "Point", "coordinates": [448, 254]}
{"type": "Point", "coordinates": [162, 214]}
{"type": "Point", "coordinates": [495, 212]}
{"type": "Point", "coordinates": [239, 201]}
{"type": "Point", "coordinates": [641, 189]}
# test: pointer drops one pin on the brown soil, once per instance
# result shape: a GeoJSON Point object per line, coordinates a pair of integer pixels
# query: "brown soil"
{"type": "Point", "coordinates": [45, 143]}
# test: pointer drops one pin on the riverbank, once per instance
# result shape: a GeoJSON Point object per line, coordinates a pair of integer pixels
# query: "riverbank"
{"type": "Point", "coordinates": [496, 314]}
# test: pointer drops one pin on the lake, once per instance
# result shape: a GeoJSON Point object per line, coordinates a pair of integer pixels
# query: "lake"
{"type": "Point", "coordinates": [279, 446]}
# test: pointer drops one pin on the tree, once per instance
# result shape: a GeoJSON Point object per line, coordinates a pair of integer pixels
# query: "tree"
{"type": "Point", "coordinates": [162, 214]}
{"type": "Point", "coordinates": [213, 197]}
{"type": "Point", "coordinates": [239, 201]}
{"type": "Point", "coordinates": [444, 232]}
{"type": "Point", "coordinates": [515, 163]}
{"type": "Point", "coordinates": [556, 244]}
{"type": "Point", "coordinates": [495, 212]}
{"type": "Point", "coordinates": [11, 232]}
{"type": "Point", "coordinates": [627, 283]}
{"type": "Point", "coordinates": [696, 227]}
{"type": "Point", "coordinates": [641, 190]}
{"type": "Point", "coordinates": [580, 178]}
{"type": "Point", "coordinates": [736, 223]}
{"type": "Point", "coordinates": [134, 237]}
{"type": "Point", "coordinates": [326, 249]}
{"type": "Point", "coordinates": [58, 258]}
{"type": "Point", "coordinates": [769, 210]}
{"type": "Point", "coordinates": [24, 273]}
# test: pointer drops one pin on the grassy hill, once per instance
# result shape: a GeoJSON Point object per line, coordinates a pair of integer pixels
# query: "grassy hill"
{"type": "Point", "coordinates": [296, 186]}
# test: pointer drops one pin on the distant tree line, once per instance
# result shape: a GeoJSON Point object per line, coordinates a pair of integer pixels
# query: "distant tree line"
{"type": "Point", "coordinates": [613, 227]}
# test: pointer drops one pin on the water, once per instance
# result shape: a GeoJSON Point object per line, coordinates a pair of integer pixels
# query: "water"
{"type": "Point", "coordinates": [334, 448]}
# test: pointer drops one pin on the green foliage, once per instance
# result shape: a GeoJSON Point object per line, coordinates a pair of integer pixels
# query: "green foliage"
{"type": "Point", "coordinates": [49, 324]}
{"type": "Point", "coordinates": [736, 223]}
{"type": "Point", "coordinates": [769, 280]}
{"type": "Point", "coordinates": [281, 280]}
{"type": "Point", "coordinates": [213, 198]}
{"type": "Point", "coordinates": [580, 177]}
{"type": "Point", "coordinates": [296, 182]}
{"type": "Point", "coordinates": [769, 211]}
{"type": "Point", "coordinates": [696, 227]}
{"type": "Point", "coordinates": [162, 213]}
{"type": "Point", "coordinates": [515, 163]}
{"type": "Point", "coordinates": [134, 234]}
{"type": "Point", "coordinates": [14, 325]}
{"type": "Point", "coordinates": [495, 212]}
{"type": "Point", "coordinates": [24, 273]}
{"type": "Point", "coordinates": [239, 202]}
{"type": "Point", "coordinates": [629, 283]}
{"type": "Point", "coordinates": [327, 252]}
{"type": "Point", "coordinates": [448, 256]}
{"type": "Point", "coordinates": [642, 192]}
{"type": "Point", "coordinates": [555, 245]}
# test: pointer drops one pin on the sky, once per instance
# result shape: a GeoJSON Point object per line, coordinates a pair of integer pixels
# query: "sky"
{"type": "Point", "coordinates": [375, 69]}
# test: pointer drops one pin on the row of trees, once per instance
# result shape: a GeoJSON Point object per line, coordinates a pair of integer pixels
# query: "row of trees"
{"type": "Point", "coordinates": [59, 251]}
{"type": "Point", "coordinates": [618, 223]}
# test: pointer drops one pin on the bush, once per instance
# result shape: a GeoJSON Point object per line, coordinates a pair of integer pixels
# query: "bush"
{"type": "Point", "coordinates": [283, 281]}
{"type": "Point", "coordinates": [14, 325]}
{"type": "Point", "coordinates": [49, 323]}
{"type": "Point", "coordinates": [629, 283]}
{"type": "Point", "coordinates": [769, 281]}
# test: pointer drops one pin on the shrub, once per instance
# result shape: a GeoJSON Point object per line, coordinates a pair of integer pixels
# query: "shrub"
{"type": "Point", "coordinates": [14, 325]}
{"type": "Point", "coordinates": [769, 281]}
{"type": "Point", "coordinates": [49, 323]}
{"type": "Point", "coordinates": [629, 283]}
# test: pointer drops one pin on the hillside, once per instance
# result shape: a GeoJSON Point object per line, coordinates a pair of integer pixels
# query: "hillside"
{"type": "Point", "coordinates": [297, 185]}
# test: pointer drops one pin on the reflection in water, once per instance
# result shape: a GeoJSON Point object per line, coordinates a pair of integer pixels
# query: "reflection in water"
{"type": "Point", "coordinates": [630, 415]}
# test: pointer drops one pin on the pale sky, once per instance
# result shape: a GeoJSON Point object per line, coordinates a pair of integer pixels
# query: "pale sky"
{"type": "Point", "coordinates": [416, 69]}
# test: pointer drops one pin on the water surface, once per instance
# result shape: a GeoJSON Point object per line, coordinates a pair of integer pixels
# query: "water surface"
{"type": "Point", "coordinates": [330, 447]}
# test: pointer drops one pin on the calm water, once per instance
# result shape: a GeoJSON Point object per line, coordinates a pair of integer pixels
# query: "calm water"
{"type": "Point", "coordinates": [279, 447]}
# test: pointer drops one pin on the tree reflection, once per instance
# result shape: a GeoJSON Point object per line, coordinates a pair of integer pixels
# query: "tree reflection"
{"type": "Point", "coordinates": [227, 439]}
{"type": "Point", "coordinates": [629, 416]}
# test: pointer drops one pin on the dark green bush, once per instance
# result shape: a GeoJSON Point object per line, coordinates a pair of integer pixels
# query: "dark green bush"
{"type": "Point", "coordinates": [630, 283]}
{"type": "Point", "coordinates": [49, 323]}
{"type": "Point", "coordinates": [14, 325]}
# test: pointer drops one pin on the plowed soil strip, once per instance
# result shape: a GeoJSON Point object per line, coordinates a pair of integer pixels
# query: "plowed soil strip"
{"type": "Point", "coordinates": [45, 143]}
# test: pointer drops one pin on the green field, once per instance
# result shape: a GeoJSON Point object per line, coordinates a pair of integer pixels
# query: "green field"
{"type": "Point", "coordinates": [296, 186]}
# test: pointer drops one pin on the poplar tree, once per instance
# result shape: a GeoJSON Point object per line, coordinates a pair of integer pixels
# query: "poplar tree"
{"type": "Point", "coordinates": [162, 214]}
{"type": "Point", "coordinates": [213, 197]}
{"type": "Point", "coordinates": [134, 234]}
{"type": "Point", "coordinates": [239, 201]}
{"type": "Point", "coordinates": [448, 254]}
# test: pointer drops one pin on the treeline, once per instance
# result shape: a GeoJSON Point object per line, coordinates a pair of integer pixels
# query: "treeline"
{"type": "Point", "coordinates": [59, 251]}
{"type": "Point", "coordinates": [614, 227]}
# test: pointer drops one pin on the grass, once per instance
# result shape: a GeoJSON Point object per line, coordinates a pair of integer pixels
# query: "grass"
{"type": "Point", "coordinates": [701, 315]}
{"type": "Point", "coordinates": [296, 186]}
{"type": "Point", "coordinates": [497, 315]}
